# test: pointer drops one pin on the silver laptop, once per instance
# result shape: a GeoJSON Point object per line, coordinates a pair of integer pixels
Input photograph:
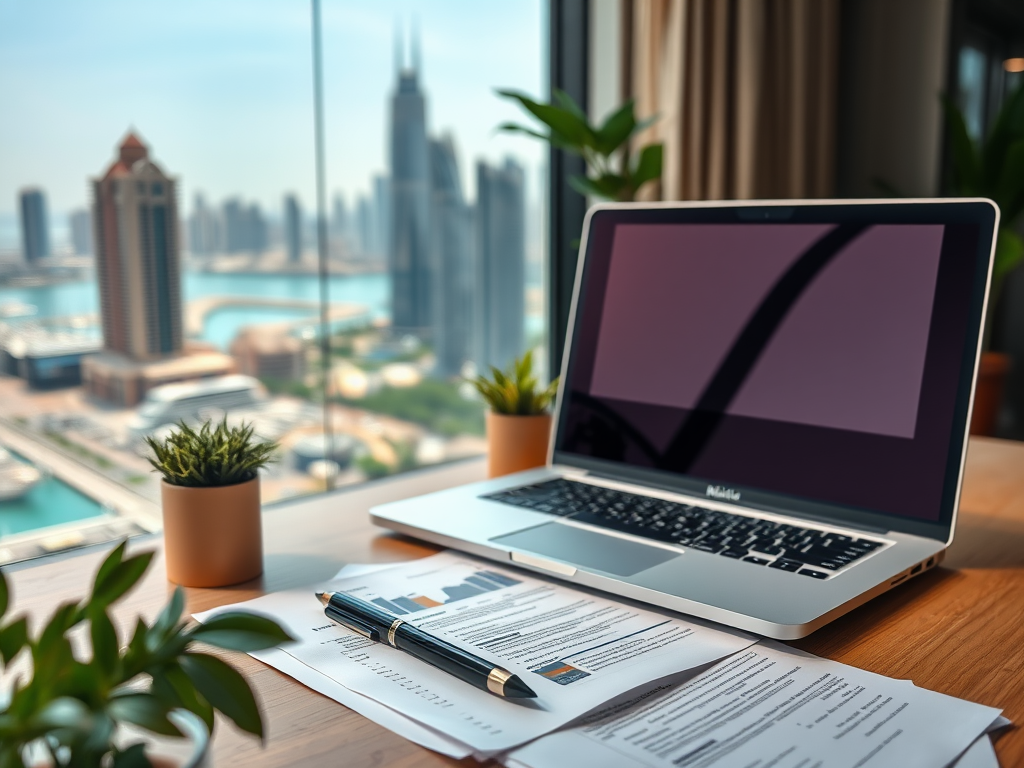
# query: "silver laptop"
{"type": "Point", "coordinates": [762, 417]}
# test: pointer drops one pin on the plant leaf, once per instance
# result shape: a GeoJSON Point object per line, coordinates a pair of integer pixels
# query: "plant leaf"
{"type": "Point", "coordinates": [105, 648]}
{"type": "Point", "coordinates": [565, 124]}
{"type": "Point", "coordinates": [172, 686]}
{"type": "Point", "coordinates": [225, 689]}
{"type": "Point", "coordinates": [62, 712]}
{"type": "Point", "coordinates": [648, 167]}
{"type": "Point", "coordinates": [143, 710]}
{"type": "Point", "coordinates": [617, 128]}
{"type": "Point", "coordinates": [13, 638]}
{"type": "Point", "coordinates": [110, 562]}
{"type": "Point", "coordinates": [237, 631]}
{"type": "Point", "coordinates": [171, 613]}
{"type": "Point", "coordinates": [119, 579]}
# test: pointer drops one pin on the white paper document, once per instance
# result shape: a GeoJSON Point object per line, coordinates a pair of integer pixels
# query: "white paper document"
{"type": "Point", "coordinates": [771, 707]}
{"type": "Point", "coordinates": [576, 650]}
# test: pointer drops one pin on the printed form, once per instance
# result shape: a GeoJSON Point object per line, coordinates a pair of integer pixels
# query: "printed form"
{"type": "Point", "coordinates": [771, 706]}
{"type": "Point", "coordinates": [576, 650]}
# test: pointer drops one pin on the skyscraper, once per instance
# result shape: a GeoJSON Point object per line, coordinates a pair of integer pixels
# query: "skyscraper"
{"type": "Point", "coordinates": [293, 229]}
{"type": "Point", "coordinates": [245, 229]}
{"type": "Point", "coordinates": [409, 240]}
{"type": "Point", "coordinates": [500, 294]}
{"type": "Point", "coordinates": [35, 225]}
{"type": "Point", "coordinates": [135, 218]}
{"type": "Point", "coordinates": [381, 216]}
{"type": "Point", "coordinates": [452, 256]}
{"type": "Point", "coordinates": [204, 228]}
{"type": "Point", "coordinates": [81, 232]}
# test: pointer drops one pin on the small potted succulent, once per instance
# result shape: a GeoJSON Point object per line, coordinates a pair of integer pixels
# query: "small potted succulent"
{"type": "Point", "coordinates": [68, 710]}
{"type": "Point", "coordinates": [518, 421]}
{"type": "Point", "coordinates": [211, 502]}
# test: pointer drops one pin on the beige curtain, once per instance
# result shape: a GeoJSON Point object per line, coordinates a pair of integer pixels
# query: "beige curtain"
{"type": "Point", "coordinates": [745, 91]}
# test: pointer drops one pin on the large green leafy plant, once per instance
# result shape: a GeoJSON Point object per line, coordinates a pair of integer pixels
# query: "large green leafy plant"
{"type": "Point", "coordinates": [72, 706]}
{"type": "Point", "coordinates": [993, 167]}
{"type": "Point", "coordinates": [516, 392]}
{"type": "Point", "coordinates": [210, 456]}
{"type": "Point", "coordinates": [612, 171]}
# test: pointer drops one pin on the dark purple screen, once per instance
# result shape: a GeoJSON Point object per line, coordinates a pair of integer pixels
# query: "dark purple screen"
{"type": "Point", "coordinates": [818, 360]}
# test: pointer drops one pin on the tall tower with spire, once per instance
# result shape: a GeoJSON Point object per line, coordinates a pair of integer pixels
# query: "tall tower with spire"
{"type": "Point", "coordinates": [135, 221]}
{"type": "Point", "coordinates": [409, 240]}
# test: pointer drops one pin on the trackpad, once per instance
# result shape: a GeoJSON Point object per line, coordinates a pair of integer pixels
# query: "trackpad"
{"type": "Point", "coordinates": [587, 549]}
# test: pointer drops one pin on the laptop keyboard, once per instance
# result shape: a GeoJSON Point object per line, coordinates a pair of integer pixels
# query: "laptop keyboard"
{"type": "Point", "coordinates": [806, 551]}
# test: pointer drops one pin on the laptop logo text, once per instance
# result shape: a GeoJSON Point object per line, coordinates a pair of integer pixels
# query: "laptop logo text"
{"type": "Point", "coordinates": [721, 492]}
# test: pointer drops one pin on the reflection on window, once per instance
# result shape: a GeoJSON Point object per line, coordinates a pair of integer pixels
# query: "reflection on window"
{"type": "Point", "coordinates": [170, 273]}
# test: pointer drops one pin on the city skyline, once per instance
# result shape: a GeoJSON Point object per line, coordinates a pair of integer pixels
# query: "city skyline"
{"type": "Point", "coordinates": [358, 73]}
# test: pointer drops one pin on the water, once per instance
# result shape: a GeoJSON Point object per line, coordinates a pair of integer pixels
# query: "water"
{"type": "Point", "coordinates": [51, 502]}
{"type": "Point", "coordinates": [220, 326]}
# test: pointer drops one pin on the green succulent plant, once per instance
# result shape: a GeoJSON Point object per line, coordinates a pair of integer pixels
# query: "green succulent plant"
{"type": "Point", "coordinates": [612, 172]}
{"type": "Point", "coordinates": [70, 707]}
{"type": "Point", "coordinates": [210, 456]}
{"type": "Point", "coordinates": [516, 391]}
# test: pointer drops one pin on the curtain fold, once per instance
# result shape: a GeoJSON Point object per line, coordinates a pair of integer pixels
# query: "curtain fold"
{"type": "Point", "coordinates": [745, 93]}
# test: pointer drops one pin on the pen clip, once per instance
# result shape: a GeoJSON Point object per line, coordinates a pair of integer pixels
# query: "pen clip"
{"type": "Point", "coordinates": [359, 627]}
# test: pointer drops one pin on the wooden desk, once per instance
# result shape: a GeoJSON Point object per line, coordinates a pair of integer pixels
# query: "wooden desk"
{"type": "Point", "coordinates": [958, 629]}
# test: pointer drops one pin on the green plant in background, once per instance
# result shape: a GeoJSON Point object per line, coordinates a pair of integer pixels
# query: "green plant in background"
{"type": "Point", "coordinates": [72, 707]}
{"type": "Point", "coordinates": [993, 167]}
{"type": "Point", "coordinates": [515, 392]}
{"type": "Point", "coordinates": [612, 172]}
{"type": "Point", "coordinates": [211, 456]}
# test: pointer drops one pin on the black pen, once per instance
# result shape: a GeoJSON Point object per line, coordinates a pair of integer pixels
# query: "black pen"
{"type": "Point", "coordinates": [380, 626]}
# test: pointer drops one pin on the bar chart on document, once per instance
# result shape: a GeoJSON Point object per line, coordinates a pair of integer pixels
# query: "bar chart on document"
{"type": "Point", "coordinates": [473, 585]}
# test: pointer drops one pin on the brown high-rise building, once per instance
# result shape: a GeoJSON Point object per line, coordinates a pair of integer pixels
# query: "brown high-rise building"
{"type": "Point", "coordinates": [135, 218]}
{"type": "Point", "coordinates": [138, 265]}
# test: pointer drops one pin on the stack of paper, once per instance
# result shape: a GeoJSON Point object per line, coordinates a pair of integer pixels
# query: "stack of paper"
{"type": "Point", "coordinates": [615, 683]}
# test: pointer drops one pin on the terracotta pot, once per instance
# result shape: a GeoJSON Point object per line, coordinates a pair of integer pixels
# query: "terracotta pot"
{"type": "Point", "coordinates": [515, 443]}
{"type": "Point", "coordinates": [988, 392]}
{"type": "Point", "coordinates": [213, 536]}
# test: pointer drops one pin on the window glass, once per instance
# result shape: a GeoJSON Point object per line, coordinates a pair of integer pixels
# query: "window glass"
{"type": "Point", "coordinates": [159, 254]}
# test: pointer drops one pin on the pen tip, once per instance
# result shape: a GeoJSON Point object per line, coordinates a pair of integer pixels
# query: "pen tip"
{"type": "Point", "coordinates": [515, 688]}
{"type": "Point", "coordinates": [323, 597]}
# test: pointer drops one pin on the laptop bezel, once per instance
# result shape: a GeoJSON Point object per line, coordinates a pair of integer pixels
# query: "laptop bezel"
{"type": "Point", "coordinates": [986, 216]}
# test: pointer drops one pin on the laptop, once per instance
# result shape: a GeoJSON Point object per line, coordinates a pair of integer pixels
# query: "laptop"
{"type": "Point", "coordinates": [762, 414]}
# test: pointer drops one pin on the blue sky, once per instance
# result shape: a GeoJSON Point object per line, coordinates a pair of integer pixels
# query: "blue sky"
{"type": "Point", "coordinates": [222, 90]}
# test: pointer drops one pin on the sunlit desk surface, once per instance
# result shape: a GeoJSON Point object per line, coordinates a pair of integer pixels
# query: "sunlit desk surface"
{"type": "Point", "coordinates": [958, 629]}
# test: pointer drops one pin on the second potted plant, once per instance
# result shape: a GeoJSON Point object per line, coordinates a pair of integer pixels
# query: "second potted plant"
{"type": "Point", "coordinates": [518, 421]}
{"type": "Point", "coordinates": [211, 503]}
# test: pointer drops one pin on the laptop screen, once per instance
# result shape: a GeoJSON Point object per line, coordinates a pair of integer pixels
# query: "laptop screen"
{"type": "Point", "coordinates": [820, 357]}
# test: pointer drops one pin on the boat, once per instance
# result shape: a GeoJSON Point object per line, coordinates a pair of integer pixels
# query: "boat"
{"type": "Point", "coordinates": [16, 478]}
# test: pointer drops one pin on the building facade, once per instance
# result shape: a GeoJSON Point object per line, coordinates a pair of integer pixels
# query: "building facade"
{"type": "Point", "coordinates": [135, 221]}
{"type": "Point", "coordinates": [293, 229]}
{"type": "Point", "coordinates": [35, 225]}
{"type": "Point", "coordinates": [81, 232]}
{"type": "Point", "coordinates": [409, 237]}
{"type": "Point", "coordinates": [138, 269]}
{"type": "Point", "coordinates": [452, 257]}
{"type": "Point", "coordinates": [500, 294]}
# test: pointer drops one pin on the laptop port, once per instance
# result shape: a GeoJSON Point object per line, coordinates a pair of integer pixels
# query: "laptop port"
{"type": "Point", "coordinates": [931, 562]}
{"type": "Point", "coordinates": [897, 580]}
{"type": "Point", "coordinates": [917, 569]}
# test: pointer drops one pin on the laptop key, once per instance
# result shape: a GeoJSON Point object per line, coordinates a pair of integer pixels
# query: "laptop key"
{"type": "Point", "coordinates": [786, 565]}
{"type": "Point", "coordinates": [812, 574]}
{"type": "Point", "coordinates": [736, 554]}
{"type": "Point", "coordinates": [756, 560]}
